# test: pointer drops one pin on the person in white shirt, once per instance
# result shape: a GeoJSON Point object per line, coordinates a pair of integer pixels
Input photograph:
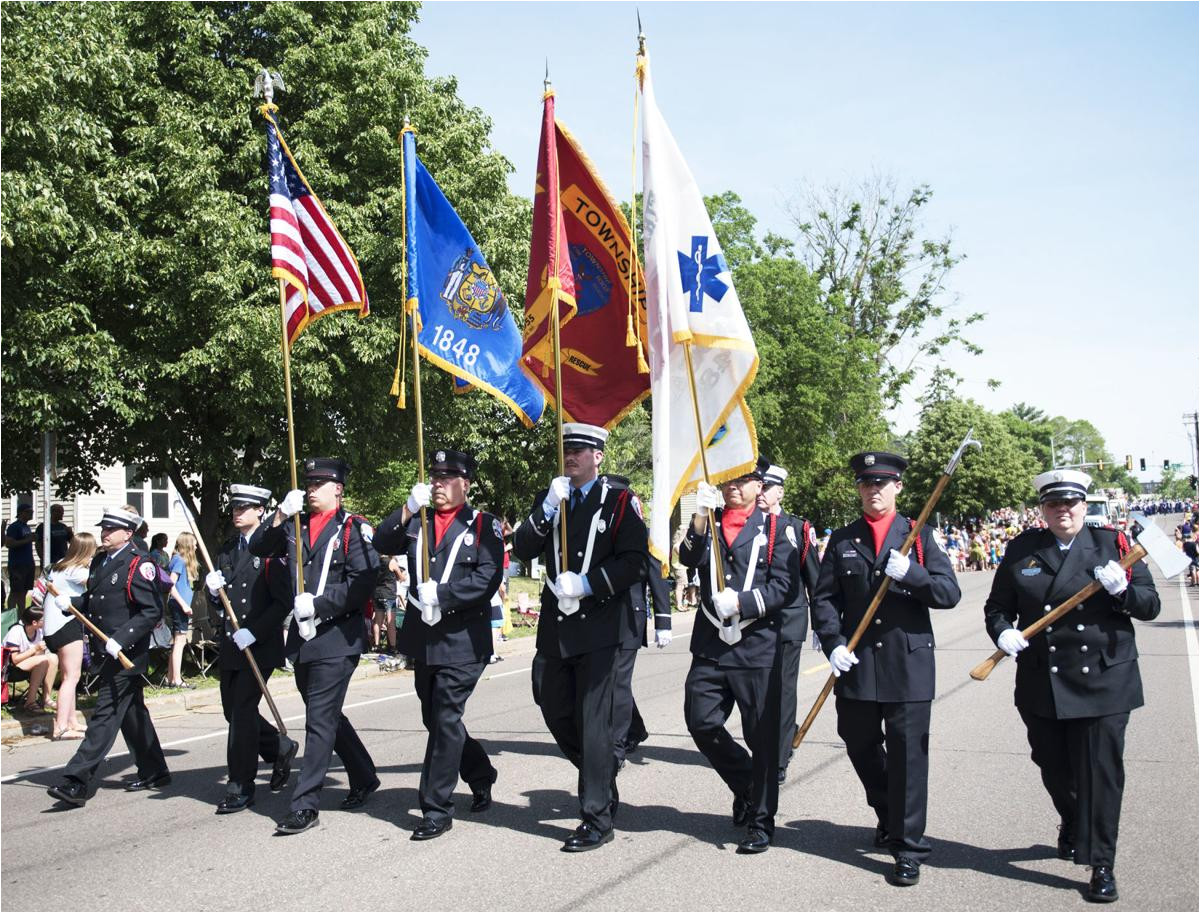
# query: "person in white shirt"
{"type": "Point", "coordinates": [32, 656]}
{"type": "Point", "coordinates": [64, 633]}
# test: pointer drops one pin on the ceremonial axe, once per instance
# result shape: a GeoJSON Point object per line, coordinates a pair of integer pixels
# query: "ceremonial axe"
{"type": "Point", "coordinates": [1151, 541]}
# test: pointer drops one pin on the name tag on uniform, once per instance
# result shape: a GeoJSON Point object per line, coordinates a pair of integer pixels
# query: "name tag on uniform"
{"type": "Point", "coordinates": [1030, 571]}
{"type": "Point", "coordinates": [849, 554]}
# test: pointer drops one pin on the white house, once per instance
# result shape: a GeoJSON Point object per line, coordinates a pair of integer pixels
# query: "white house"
{"type": "Point", "coordinates": [154, 498]}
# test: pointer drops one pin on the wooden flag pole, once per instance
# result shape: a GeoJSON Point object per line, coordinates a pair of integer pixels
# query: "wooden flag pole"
{"type": "Point", "coordinates": [556, 327]}
{"type": "Point", "coordinates": [287, 392]}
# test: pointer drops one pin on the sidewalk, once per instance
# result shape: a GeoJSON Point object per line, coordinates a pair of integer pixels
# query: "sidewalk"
{"type": "Point", "coordinates": [15, 732]}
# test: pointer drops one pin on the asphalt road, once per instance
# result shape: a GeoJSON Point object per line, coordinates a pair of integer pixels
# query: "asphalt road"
{"type": "Point", "coordinates": [990, 822]}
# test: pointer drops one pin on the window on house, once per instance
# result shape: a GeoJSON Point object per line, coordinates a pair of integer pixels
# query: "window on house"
{"type": "Point", "coordinates": [142, 490]}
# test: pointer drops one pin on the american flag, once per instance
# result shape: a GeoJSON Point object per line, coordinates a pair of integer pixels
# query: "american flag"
{"type": "Point", "coordinates": [307, 252]}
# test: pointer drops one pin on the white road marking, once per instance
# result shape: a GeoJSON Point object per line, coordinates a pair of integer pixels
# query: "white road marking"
{"type": "Point", "coordinates": [1193, 650]}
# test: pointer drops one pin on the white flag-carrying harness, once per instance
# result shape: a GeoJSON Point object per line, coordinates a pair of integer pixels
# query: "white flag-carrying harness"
{"type": "Point", "coordinates": [690, 299]}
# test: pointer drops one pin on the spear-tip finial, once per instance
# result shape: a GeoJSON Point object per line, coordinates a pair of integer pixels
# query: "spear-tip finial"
{"type": "Point", "coordinates": [546, 82]}
{"type": "Point", "coordinates": [641, 34]}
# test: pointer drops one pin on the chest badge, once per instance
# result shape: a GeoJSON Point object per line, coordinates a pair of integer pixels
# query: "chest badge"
{"type": "Point", "coordinates": [469, 539]}
{"type": "Point", "coordinates": [113, 578]}
{"type": "Point", "coordinates": [601, 526]}
{"type": "Point", "coordinates": [257, 562]}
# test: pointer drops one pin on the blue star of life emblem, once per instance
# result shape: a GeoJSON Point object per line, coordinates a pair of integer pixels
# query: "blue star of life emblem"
{"type": "Point", "coordinates": [699, 272]}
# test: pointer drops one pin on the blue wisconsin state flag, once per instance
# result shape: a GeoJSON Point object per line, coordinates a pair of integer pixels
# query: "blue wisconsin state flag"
{"type": "Point", "coordinates": [464, 323]}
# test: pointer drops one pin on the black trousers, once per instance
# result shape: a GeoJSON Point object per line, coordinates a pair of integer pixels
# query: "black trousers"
{"type": "Point", "coordinates": [450, 752]}
{"type": "Point", "coordinates": [120, 707]}
{"type": "Point", "coordinates": [322, 684]}
{"type": "Point", "coordinates": [710, 693]}
{"type": "Point", "coordinates": [250, 735]}
{"type": "Point", "coordinates": [888, 744]}
{"type": "Point", "coordinates": [623, 705]}
{"type": "Point", "coordinates": [790, 672]}
{"type": "Point", "coordinates": [1083, 770]}
{"type": "Point", "coordinates": [576, 697]}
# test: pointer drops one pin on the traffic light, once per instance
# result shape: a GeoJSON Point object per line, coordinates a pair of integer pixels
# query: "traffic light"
{"type": "Point", "coordinates": [1100, 465]}
{"type": "Point", "coordinates": [1128, 463]}
{"type": "Point", "coordinates": [1142, 460]}
{"type": "Point", "coordinates": [1166, 464]}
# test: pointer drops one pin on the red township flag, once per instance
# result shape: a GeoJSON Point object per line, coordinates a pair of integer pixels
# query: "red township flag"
{"type": "Point", "coordinates": [307, 252]}
{"type": "Point", "coordinates": [581, 238]}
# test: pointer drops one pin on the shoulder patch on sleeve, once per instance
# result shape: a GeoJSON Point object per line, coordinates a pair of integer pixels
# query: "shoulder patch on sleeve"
{"type": "Point", "coordinates": [812, 536]}
{"type": "Point", "coordinates": [367, 532]}
{"type": "Point", "coordinates": [790, 532]}
{"type": "Point", "coordinates": [497, 528]}
{"type": "Point", "coordinates": [637, 506]}
{"type": "Point", "coordinates": [148, 570]}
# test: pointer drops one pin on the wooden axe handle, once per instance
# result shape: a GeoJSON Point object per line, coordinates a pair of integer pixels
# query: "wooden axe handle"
{"type": "Point", "coordinates": [121, 657]}
{"type": "Point", "coordinates": [984, 669]}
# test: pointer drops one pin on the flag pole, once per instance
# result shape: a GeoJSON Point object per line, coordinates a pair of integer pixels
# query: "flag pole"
{"type": "Point", "coordinates": [716, 549]}
{"type": "Point", "coordinates": [264, 85]}
{"type": "Point", "coordinates": [555, 329]}
{"type": "Point", "coordinates": [287, 392]}
{"type": "Point", "coordinates": [409, 305]}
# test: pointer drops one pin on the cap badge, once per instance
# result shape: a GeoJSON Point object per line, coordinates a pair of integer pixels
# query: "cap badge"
{"type": "Point", "coordinates": [310, 465]}
{"type": "Point", "coordinates": [1058, 477]}
{"type": "Point", "coordinates": [440, 456]}
{"type": "Point", "coordinates": [869, 459]}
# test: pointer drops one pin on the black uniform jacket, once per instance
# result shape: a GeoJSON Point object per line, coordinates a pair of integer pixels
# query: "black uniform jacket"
{"type": "Point", "coordinates": [464, 635]}
{"type": "Point", "coordinates": [649, 596]}
{"type": "Point", "coordinates": [895, 656]}
{"type": "Point", "coordinates": [260, 591]}
{"type": "Point", "coordinates": [352, 570]}
{"type": "Point", "coordinates": [795, 616]}
{"type": "Point", "coordinates": [618, 562]}
{"type": "Point", "coordinates": [123, 599]}
{"type": "Point", "coordinates": [1086, 665]}
{"type": "Point", "coordinates": [771, 589]}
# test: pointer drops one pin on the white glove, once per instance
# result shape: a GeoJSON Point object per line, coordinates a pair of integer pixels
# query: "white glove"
{"type": "Point", "coordinates": [1011, 641]}
{"type": "Point", "coordinates": [726, 603]}
{"type": "Point", "coordinates": [662, 639]}
{"type": "Point", "coordinates": [1112, 578]}
{"type": "Point", "coordinates": [303, 611]}
{"type": "Point", "coordinates": [897, 565]}
{"type": "Point", "coordinates": [560, 489]}
{"type": "Point", "coordinates": [568, 583]}
{"type": "Point", "coordinates": [568, 605]}
{"type": "Point", "coordinates": [841, 659]}
{"type": "Point", "coordinates": [418, 497]}
{"type": "Point", "coordinates": [292, 503]}
{"type": "Point", "coordinates": [243, 638]}
{"type": "Point", "coordinates": [62, 602]}
{"type": "Point", "coordinates": [112, 648]}
{"type": "Point", "coordinates": [708, 498]}
{"type": "Point", "coordinates": [214, 580]}
{"type": "Point", "coordinates": [427, 593]}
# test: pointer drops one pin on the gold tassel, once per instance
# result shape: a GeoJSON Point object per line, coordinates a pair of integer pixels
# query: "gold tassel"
{"type": "Point", "coordinates": [630, 339]}
{"type": "Point", "coordinates": [400, 397]}
{"type": "Point", "coordinates": [395, 391]}
{"type": "Point", "coordinates": [643, 368]}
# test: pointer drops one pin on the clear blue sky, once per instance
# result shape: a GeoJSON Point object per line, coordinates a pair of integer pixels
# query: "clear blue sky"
{"type": "Point", "coordinates": [1060, 139]}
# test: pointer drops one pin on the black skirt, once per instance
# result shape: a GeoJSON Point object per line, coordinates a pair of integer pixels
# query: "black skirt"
{"type": "Point", "coordinates": [67, 634]}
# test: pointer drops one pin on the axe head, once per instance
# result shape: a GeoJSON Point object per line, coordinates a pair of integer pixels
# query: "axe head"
{"type": "Point", "coordinates": [1170, 560]}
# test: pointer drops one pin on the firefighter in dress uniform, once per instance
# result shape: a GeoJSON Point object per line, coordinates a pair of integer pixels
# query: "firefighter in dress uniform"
{"type": "Point", "coordinates": [447, 631]}
{"type": "Point", "coordinates": [1076, 682]}
{"type": "Point", "coordinates": [736, 645]}
{"type": "Point", "coordinates": [327, 635]}
{"type": "Point", "coordinates": [885, 687]}
{"type": "Point", "coordinates": [260, 591]}
{"type": "Point", "coordinates": [123, 599]}
{"type": "Point", "coordinates": [801, 536]}
{"type": "Point", "coordinates": [583, 608]}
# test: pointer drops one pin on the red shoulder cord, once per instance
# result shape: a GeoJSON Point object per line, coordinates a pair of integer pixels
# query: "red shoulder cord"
{"type": "Point", "coordinates": [805, 530]}
{"type": "Point", "coordinates": [770, 539]}
{"type": "Point", "coordinates": [1122, 551]}
{"type": "Point", "coordinates": [917, 546]}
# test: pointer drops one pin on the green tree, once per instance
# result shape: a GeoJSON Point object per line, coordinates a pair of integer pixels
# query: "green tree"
{"type": "Point", "coordinates": [885, 281]}
{"type": "Point", "coordinates": [140, 319]}
{"type": "Point", "coordinates": [999, 475]}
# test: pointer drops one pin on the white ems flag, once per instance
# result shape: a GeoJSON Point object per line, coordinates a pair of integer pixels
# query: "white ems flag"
{"type": "Point", "coordinates": [690, 300]}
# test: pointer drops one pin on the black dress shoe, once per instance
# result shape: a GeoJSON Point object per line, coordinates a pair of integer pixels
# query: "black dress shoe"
{"type": "Point", "coordinates": [283, 766]}
{"type": "Point", "coordinates": [741, 811]}
{"type": "Point", "coordinates": [154, 781]}
{"type": "Point", "coordinates": [481, 799]}
{"type": "Point", "coordinates": [756, 841]}
{"type": "Point", "coordinates": [358, 796]}
{"type": "Point", "coordinates": [586, 838]}
{"type": "Point", "coordinates": [298, 821]}
{"type": "Point", "coordinates": [234, 802]}
{"type": "Point", "coordinates": [632, 742]}
{"type": "Point", "coordinates": [70, 791]}
{"type": "Point", "coordinates": [1066, 843]}
{"type": "Point", "coordinates": [782, 775]}
{"type": "Point", "coordinates": [882, 837]}
{"type": "Point", "coordinates": [1103, 886]}
{"type": "Point", "coordinates": [429, 828]}
{"type": "Point", "coordinates": [905, 872]}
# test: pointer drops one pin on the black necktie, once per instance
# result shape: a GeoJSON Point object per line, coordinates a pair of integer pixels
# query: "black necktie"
{"type": "Point", "coordinates": [241, 543]}
{"type": "Point", "coordinates": [576, 499]}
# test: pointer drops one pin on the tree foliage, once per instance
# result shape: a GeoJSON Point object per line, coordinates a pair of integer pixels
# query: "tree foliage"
{"type": "Point", "coordinates": [140, 319]}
